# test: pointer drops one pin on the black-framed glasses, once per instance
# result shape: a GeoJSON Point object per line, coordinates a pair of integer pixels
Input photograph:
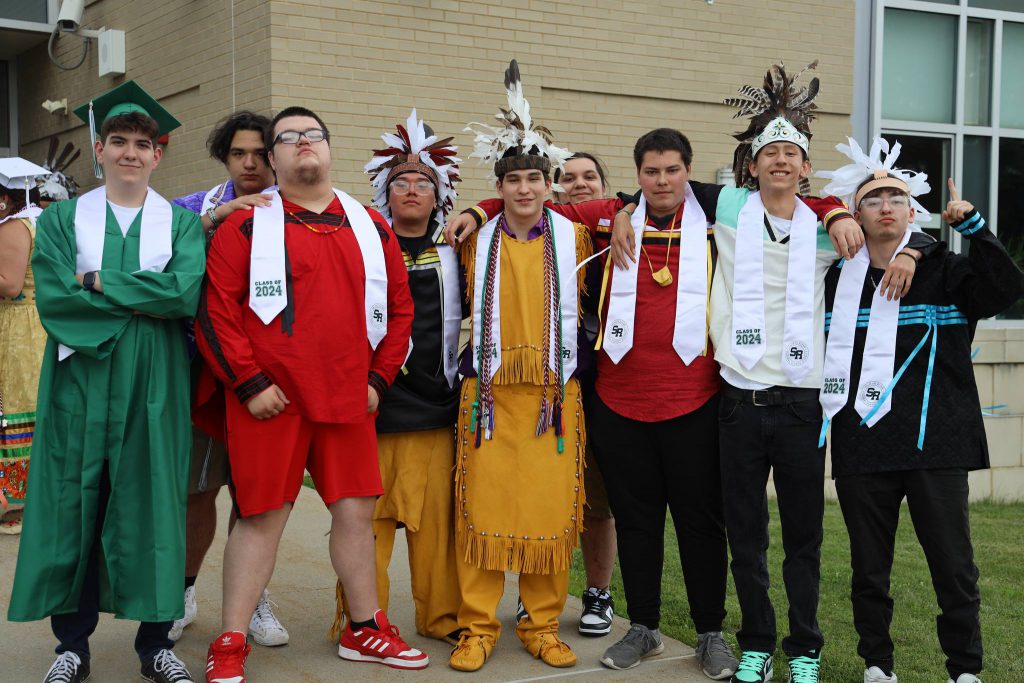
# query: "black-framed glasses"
{"type": "Point", "coordinates": [402, 186]}
{"type": "Point", "coordinates": [291, 137]}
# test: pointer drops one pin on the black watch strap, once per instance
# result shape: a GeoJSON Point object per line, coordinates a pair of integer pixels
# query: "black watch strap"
{"type": "Point", "coordinates": [89, 280]}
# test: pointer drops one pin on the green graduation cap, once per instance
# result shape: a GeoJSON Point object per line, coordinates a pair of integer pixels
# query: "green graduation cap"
{"type": "Point", "coordinates": [126, 98]}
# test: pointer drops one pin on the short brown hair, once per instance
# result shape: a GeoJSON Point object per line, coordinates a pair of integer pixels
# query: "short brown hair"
{"type": "Point", "coordinates": [132, 122]}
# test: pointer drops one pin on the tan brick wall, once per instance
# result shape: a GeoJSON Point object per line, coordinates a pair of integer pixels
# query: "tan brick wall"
{"type": "Point", "coordinates": [182, 53]}
{"type": "Point", "coordinates": [597, 76]}
{"type": "Point", "coordinates": [999, 373]}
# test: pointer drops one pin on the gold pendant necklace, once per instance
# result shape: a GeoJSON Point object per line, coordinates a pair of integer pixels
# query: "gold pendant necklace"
{"type": "Point", "coordinates": [663, 276]}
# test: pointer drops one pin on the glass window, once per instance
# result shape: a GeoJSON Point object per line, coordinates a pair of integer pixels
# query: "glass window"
{"type": "Point", "coordinates": [24, 10]}
{"type": "Point", "coordinates": [931, 155]}
{"type": "Point", "coordinates": [918, 66]}
{"type": "Point", "coordinates": [5, 106]}
{"type": "Point", "coordinates": [978, 75]}
{"type": "Point", "coordinates": [1011, 207]}
{"type": "Point", "coordinates": [1006, 5]}
{"type": "Point", "coordinates": [977, 181]}
{"type": "Point", "coordinates": [1011, 107]}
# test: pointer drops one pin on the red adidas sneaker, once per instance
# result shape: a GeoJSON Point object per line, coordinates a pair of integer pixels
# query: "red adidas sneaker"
{"type": "Point", "coordinates": [225, 660]}
{"type": "Point", "coordinates": [382, 645]}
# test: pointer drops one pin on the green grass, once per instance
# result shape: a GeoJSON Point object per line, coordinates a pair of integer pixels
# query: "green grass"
{"type": "Point", "coordinates": [998, 534]}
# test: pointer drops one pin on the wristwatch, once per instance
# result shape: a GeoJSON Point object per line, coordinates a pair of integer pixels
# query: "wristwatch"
{"type": "Point", "coordinates": [89, 281]}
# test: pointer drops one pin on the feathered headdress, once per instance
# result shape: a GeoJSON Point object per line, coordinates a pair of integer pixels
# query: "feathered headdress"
{"type": "Point", "coordinates": [415, 147]}
{"type": "Point", "coordinates": [518, 144]}
{"type": "Point", "coordinates": [58, 186]}
{"type": "Point", "coordinates": [779, 111]}
{"type": "Point", "coordinates": [870, 171]}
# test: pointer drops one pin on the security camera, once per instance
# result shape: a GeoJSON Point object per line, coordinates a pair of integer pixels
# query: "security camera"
{"type": "Point", "coordinates": [70, 17]}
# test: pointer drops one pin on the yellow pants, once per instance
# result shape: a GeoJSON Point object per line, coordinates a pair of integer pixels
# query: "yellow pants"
{"type": "Point", "coordinates": [543, 597]}
{"type": "Point", "coordinates": [417, 472]}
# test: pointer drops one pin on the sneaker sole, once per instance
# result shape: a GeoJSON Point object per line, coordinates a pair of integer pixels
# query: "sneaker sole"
{"type": "Point", "coordinates": [594, 632]}
{"type": "Point", "coordinates": [610, 663]}
{"type": "Point", "coordinates": [395, 663]}
{"type": "Point", "coordinates": [723, 675]}
{"type": "Point", "coordinates": [267, 642]}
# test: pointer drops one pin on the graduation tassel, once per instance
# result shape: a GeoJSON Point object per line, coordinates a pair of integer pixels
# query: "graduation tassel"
{"type": "Point", "coordinates": [559, 426]}
{"type": "Point", "coordinates": [97, 171]}
{"type": "Point", "coordinates": [472, 418]}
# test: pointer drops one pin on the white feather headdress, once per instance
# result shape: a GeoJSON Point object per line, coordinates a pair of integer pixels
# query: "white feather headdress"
{"type": "Point", "coordinates": [518, 144]}
{"type": "Point", "coordinates": [415, 147]}
{"type": "Point", "coordinates": [846, 180]}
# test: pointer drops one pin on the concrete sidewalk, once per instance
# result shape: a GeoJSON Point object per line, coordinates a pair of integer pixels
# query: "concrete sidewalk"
{"type": "Point", "coordinates": [303, 591]}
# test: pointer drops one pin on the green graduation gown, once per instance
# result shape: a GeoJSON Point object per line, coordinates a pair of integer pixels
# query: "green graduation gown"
{"type": "Point", "coordinates": [120, 401]}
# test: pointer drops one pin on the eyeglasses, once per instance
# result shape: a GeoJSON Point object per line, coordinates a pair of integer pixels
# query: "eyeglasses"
{"type": "Point", "coordinates": [875, 203]}
{"type": "Point", "coordinates": [403, 186]}
{"type": "Point", "coordinates": [291, 137]}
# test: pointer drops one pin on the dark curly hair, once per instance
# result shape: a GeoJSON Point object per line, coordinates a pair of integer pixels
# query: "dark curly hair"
{"type": "Point", "coordinates": [219, 141]}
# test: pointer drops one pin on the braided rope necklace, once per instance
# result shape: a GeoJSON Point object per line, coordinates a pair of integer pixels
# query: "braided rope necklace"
{"type": "Point", "coordinates": [482, 416]}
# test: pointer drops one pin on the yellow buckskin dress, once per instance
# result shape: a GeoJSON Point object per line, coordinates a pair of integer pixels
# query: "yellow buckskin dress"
{"type": "Point", "coordinates": [518, 500]}
{"type": "Point", "coordinates": [22, 341]}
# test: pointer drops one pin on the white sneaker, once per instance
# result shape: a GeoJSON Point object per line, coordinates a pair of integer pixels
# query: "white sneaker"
{"type": "Point", "coordinates": [875, 675]}
{"type": "Point", "coordinates": [191, 610]}
{"type": "Point", "coordinates": [965, 678]}
{"type": "Point", "coordinates": [264, 628]}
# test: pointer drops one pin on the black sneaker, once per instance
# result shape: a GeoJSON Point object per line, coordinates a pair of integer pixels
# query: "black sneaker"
{"type": "Point", "coordinates": [521, 612]}
{"type": "Point", "coordinates": [598, 612]}
{"type": "Point", "coordinates": [166, 668]}
{"type": "Point", "coordinates": [68, 668]}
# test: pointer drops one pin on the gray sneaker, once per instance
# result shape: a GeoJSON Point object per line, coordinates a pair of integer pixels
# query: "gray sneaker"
{"type": "Point", "coordinates": [638, 643]}
{"type": "Point", "coordinates": [714, 657]}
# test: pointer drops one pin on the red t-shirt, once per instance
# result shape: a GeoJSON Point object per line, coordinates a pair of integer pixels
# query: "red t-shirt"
{"type": "Point", "coordinates": [315, 350]}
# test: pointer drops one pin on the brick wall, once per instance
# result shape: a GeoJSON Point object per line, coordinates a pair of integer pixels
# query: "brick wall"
{"type": "Point", "coordinates": [182, 53]}
{"type": "Point", "coordinates": [598, 77]}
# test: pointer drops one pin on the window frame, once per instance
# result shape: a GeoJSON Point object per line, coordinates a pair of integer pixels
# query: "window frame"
{"type": "Point", "coordinates": [867, 115]}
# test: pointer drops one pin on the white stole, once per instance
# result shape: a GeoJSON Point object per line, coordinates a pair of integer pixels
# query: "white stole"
{"type": "Point", "coordinates": [451, 310]}
{"type": "Point", "coordinates": [689, 335]}
{"type": "Point", "coordinates": [268, 294]}
{"type": "Point", "coordinates": [213, 197]}
{"type": "Point", "coordinates": [90, 233]}
{"type": "Point", "coordinates": [565, 258]}
{"type": "Point", "coordinates": [749, 337]}
{"type": "Point", "coordinates": [879, 348]}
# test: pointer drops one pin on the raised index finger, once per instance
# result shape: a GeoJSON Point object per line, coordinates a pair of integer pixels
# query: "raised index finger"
{"type": "Point", "coordinates": [954, 196]}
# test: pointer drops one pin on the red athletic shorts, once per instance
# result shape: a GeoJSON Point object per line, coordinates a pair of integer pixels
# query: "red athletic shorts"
{"type": "Point", "coordinates": [268, 459]}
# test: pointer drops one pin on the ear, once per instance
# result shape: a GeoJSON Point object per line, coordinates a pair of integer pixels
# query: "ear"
{"type": "Point", "coordinates": [98, 148]}
{"type": "Point", "coordinates": [497, 186]}
{"type": "Point", "coordinates": [752, 168]}
{"type": "Point", "coordinates": [547, 185]}
{"type": "Point", "coordinates": [860, 221]}
{"type": "Point", "coordinates": [805, 169]}
{"type": "Point", "coordinates": [911, 214]}
{"type": "Point", "coordinates": [270, 160]}
{"type": "Point", "coordinates": [158, 154]}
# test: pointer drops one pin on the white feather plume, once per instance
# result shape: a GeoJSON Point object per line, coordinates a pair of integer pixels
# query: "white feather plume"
{"type": "Point", "coordinates": [490, 143]}
{"type": "Point", "coordinates": [419, 142]}
{"type": "Point", "coordinates": [845, 180]}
